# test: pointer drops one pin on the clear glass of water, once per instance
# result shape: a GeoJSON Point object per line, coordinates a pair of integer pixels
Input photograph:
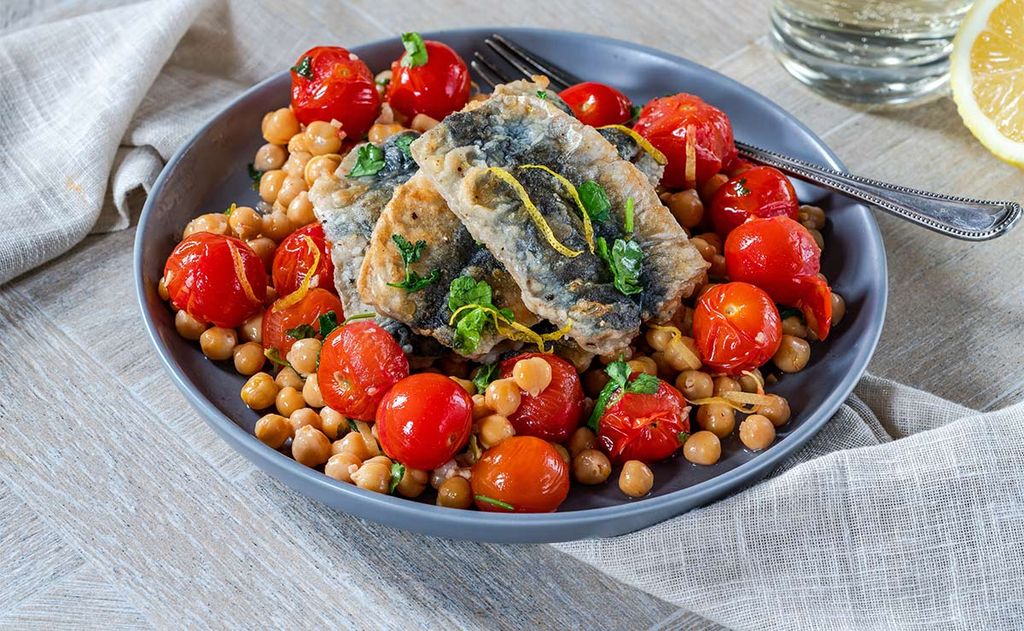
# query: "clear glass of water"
{"type": "Point", "coordinates": [868, 51]}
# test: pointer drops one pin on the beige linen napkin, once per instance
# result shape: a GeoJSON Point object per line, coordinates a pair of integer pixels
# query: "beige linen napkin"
{"type": "Point", "coordinates": [905, 511]}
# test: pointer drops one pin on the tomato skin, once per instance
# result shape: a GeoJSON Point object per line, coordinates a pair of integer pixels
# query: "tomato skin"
{"type": "Point", "coordinates": [597, 104]}
{"type": "Point", "coordinates": [759, 191]}
{"type": "Point", "coordinates": [554, 413]}
{"type": "Point", "coordinates": [666, 122]}
{"type": "Point", "coordinates": [359, 363]}
{"type": "Point", "coordinates": [341, 88]}
{"type": "Point", "coordinates": [644, 427]}
{"type": "Point", "coordinates": [781, 257]}
{"type": "Point", "coordinates": [736, 327]}
{"type": "Point", "coordinates": [201, 278]}
{"type": "Point", "coordinates": [293, 259]}
{"type": "Point", "coordinates": [437, 88]}
{"type": "Point", "coordinates": [277, 323]}
{"type": "Point", "coordinates": [424, 420]}
{"type": "Point", "coordinates": [523, 471]}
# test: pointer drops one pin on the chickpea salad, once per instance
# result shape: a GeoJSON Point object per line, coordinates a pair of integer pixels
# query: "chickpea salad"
{"type": "Point", "coordinates": [487, 300]}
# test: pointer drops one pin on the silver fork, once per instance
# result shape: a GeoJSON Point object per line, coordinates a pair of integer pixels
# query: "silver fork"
{"type": "Point", "coordinates": [958, 217]}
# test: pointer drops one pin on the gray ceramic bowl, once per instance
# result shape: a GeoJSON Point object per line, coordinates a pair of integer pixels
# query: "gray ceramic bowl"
{"type": "Point", "coordinates": [209, 172]}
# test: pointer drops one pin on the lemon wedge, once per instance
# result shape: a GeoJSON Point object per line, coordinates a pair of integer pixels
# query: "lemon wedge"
{"type": "Point", "coordinates": [987, 76]}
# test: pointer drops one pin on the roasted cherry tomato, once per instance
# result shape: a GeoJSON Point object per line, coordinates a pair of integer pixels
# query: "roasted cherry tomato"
{"type": "Point", "coordinates": [598, 104]}
{"type": "Point", "coordinates": [694, 136]}
{"type": "Point", "coordinates": [522, 474]}
{"type": "Point", "coordinates": [277, 321]}
{"type": "Point", "coordinates": [215, 279]}
{"type": "Point", "coordinates": [359, 362]}
{"type": "Point", "coordinates": [780, 256]}
{"type": "Point", "coordinates": [554, 413]}
{"type": "Point", "coordinates": [645, 427]}
{"type": "Point", "coordinates": [736, 327]}
{"type": "Point", "coordinates": [756, 192]}
{"type": "Point", "coordinates": [330, 83]}
{"type": "Point", "coordinates": [295, 256]}
{"type": "Point", "coordinates": [424, 420]}
{"type": "Point", "coordinates": [437, 87]}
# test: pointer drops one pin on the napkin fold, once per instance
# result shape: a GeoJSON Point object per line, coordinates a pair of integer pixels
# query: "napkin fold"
{"type": "Point", "coordinates": [905, 511]}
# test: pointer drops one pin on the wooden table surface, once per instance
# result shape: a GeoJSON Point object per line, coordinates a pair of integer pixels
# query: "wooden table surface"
{"type": "Point", "coordinates": [119, 507]}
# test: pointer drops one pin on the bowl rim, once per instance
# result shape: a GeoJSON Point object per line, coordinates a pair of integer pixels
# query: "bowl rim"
{"type": "Point", "coordinates": [674, 502]}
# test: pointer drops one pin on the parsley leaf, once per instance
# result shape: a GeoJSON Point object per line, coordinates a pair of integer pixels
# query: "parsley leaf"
{"type": "Point", "coordinates": [466, 290]}
{"type": "Point", "coordinates": [741, 187]}
{"type": "Point", "coordinates": [634, 112]}
{"type": "Point", "coordinates": [302, 332]}
{"type": "Point", "coordinates": [255, 176]}
{"type": "Point", "coordinates": [415, 50]}
{"type": "Point", "coordinates": [494, 502]}
{"type": "Point", "coordinates": [275, 357]}
{"type": "Point", "coordinates": [359, 316]}
{"type": "Point", "coordinates": [469, 329]}
{"type": "Point", "coordinates": [627, 223]}
{"type": "Point", "coordinates": [625, 260]}
{"type": "Point", "coordinates": [595, 200]}
{"type": "Point", "coordinates": [485, 374]}
{"type": "Point", "coordinates": [682, 436]}
{"type": "Point", "coordinates": [542, 94]}
{"type": "Point", "coordinates": [327, 323]}
{"type": "Point", "coordinates": [644, 384]}
{"type": "Point", "coordinates": [397, 473]}
{"type": "Point", "coordinates": [471, 323]}
{"type": "Point", "coordinates": [410, 254]}
{"type": "Point", "coordinates": [369, 161]}
{"type": "Point", "coordinates": [618, 383]}
{"type": "Point", "coordinates": [304, 68]}
{"type": "Point", "coordinates": [231, 209]}
{"type": "Point", "coordinates": [403, 142]}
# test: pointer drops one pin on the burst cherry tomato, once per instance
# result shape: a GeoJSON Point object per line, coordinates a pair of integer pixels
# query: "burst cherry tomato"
{"type": "Point", "coordinates": [359, 362]}
{"type": "Point", "coordinates": [522, 474]}
{"type": "Point", "coordinates": [694, 136]}
{"type": "Point", "coordinates": [328, 82]}
{"type": "Point", "coordinates": [736, 327]}
{"type": "Point", "coordinates": [277, 322]}
{"type": "Point", "coordinates": [294, 257]}
{"type": "Point", "coordinates": [780, 256]}
{"type": "Point", "coordinates": [424, 420]}
{"type": "Point", "coordinates": [554, 413]}
{"type": "Point", "coordinates": [645, 427]}
{"type": "Point", "coordinates": [756, 192]}
{"type": "Point", "coordinates": [436, 88]}
{"type": "Point", "coordinates": [216, 279]}
{"type": "Point", "coordinates": [598, 104]}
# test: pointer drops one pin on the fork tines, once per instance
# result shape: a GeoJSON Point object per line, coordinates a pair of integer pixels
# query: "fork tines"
{"type": "Point", "coordinates": [521, 61]}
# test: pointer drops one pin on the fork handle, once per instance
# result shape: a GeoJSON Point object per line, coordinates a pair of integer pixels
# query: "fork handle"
{"type": "Point", "coordinates": [958, 217]}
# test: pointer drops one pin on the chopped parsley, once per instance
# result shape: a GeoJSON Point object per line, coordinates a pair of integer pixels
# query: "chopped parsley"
{"type": "Point", "coordinates": [403, 142]}
{"type": "Point", "coordinates": [741, 187]}
{"type": "Point", "coordinates": [302, 332]}
{"type": "Point", "coordinates": [411, 252]}
{"type": "Point", "coordinates": [625, 260]}
{"type": "Point", "coordinates": [327, 323]}
{"type": "Point", "coordinates": [618, 383]}
{"type": "Point", "coordinates": [304, 68]}
{"type": "Point", "coordinates": [358, 316]}
{"type": "Point", "coordinates": [369, 161]}
{"type": "Point", "coordinates": [542, 94]}
{"type": "Point", "coordinates": [255, 175]}
{"type": "Point", "coordinates": [595, 200]}
{"type": "Point", "coordinates": [494, 502]}
{"type": "Point", "coordinates": [231, 209]}
{"type": "Point", "coordinates": [275, 357]}
{"type": "Point", "coordinates": [627, 224]}
{"type": "Point", "coordinates": [634, 112]}
{"type": "Point", "coordinates": [415, 50]}
{"type": "Point", "coordinates": [485, 374]}
{"type": "Point", "coordinates": [470, 323]}
{"type": "Point", "coordinates": [397, 473]}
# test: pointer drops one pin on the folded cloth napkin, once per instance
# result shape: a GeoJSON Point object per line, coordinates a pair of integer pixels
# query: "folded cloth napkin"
{"type": "Point", "coordinates": [857, 531]}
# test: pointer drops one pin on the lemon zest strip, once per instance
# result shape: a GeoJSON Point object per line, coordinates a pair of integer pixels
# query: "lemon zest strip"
{"type": "Point", "coordinates": [303, 288]}
{"type": "Point", "coordinates": [535, 215]}
{"type": "Point", "coordinates": [644, 144]}
{"type": "Point", "coordinates": [514, 330]}
{"type": "Point", "coordinates": [243, 280]}
{"type": "Point", "coordinates": [588, 227]}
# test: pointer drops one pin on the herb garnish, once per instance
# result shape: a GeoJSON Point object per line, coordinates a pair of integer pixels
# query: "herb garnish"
{"type": "Point", "coordinates": [465, 291]}
{"type": "Point", "coordinates": [634, 112]}
{"type": "Point", "coordinates": [359, 316]}
{"type": "Point", "coordinates": [275, 357]}
{"type": "Point", "coordinates": [403, 142]}
{"type": "Point", "coordinates": [542, 94]}
{"type": "Point", "coordinates": [485, 374]}
{"type": "Point", "coordinates": [397, 473]}
{"type": "Point", "coordinates": [410, 254]}
{"type": "Point", "coordinates": [415, 50]}
{"type": "Point", "coordinates": [618, 383]}
{"type": "Point", "coordinates": [304, 68]}
{"type": "Point", "coordinates": [741, 187]}
{"type": "Point", "coordinates": [231, 209]}
{"type": "Point", "coordinates": [301, 332]}
{"type": "Point", "coordinates": [255, 176]}
{"type": "Point", "coordinates": [328, 322]}
{"type": "Point", "coordinates": [627, 224]}
{"type": "Point", "coordinates": [595, 200]}
{"type": "Point", "coordinates": [369, 161]}
{"type": "Point", "coordinates": [624, 260]}
{"type": "Point", "coordinates": [494, 502]}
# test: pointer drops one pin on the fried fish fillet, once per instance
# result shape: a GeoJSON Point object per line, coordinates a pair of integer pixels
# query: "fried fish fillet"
{"type": "Point", "coordinates": [516, 128]}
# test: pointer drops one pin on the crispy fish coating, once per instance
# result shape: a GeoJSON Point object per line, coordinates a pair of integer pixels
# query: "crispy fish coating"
{"type": "Point", "coordinates": [516, 128]}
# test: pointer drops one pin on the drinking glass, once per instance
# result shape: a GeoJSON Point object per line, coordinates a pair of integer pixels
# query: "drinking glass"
{"type": "Point", "coordinates": [868, 51]}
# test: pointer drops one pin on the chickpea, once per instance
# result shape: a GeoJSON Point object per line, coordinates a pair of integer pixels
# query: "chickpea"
{"type": "Point", "coordinates": [717, 418]}
{"type": "Point", "coordinates": [455, 493]}
{"type": "Point", "coordinates": [793, 354]}
{"type": "Point", "coordinates": [300, 210]}
{"type": "Point", "coordinates": [260, 391]}
{"type": "Point", "coordinates": [777, 411]}
{"type": "Point", "coordinates": [713, 240]}
{"type": "Point", "coordinates": [625, 355]}
{"type": "Point", "coordinates": [264, 247]}
{"type": "Point", "coordinates": [686, 207]}
{"type": "Point", "coordinates": [818, 238]}
{"type": "Point", "coordinates": [563, 452]}
{"type": "Point", "coordinates": [726, 384]}
{"type": "Point", "coordinates": [304, 355]}
{"type": "Point", "coordinates": [352, 443]}
{"type": "Point", "coordinates": [373, 476]}
{"type": "Point", "coordinates": [310, 447]}
{"type": "Point", "coordinates": [288, 378]}
{"type": "Point", "coordinates": [581, 440]}
{"type": "Point", "coordinates": [187, 326]}
{"type": "Point", "coordinates": [707, 251]}
{"type": "Point", "coordinates": [288, 400]}
{"type": "Point", "coordinates": [594, 381]}
{"type": "Point", "coordinates": [277, 226]}
{"type": "Point", "coordinates": [273, 430]}
{"type": "Point", "coordinates": [279, 126]}
{"type": "Point", "coordinates": [757, 432]}
{"type": "Point", "coordinates": [502, 396]}
{"type": "Point", "coordinates": [423, 123]}
{"type": "Point", "coordinates": [295, 165]}
{"type": "Point", "coordinates": [249, 358]}
{"type": "Point", "coordinates": [413, 483]}
{"type": "Point", "coordinates": [838, 308]}
{"type": "Point", "coordinates": [270, 185]}
{"type": "Point", "coordinates": [290, 189]}
{"type": "Point", "coordinates": [333, 422]}
{"type": "Point", "coordinates": [591, 466]}
{"type": "Point", "coordinates": [454, 366]}
{"type": "Point", "coordinates": [466, 385]}
{"type": "Point", "coordinates": [271, 296]}
{"type": "Point", "coordinates": [341, 466]}
{"type": "Point", "coordinates": [218, 343]}
{"type": "Point", "coordinates": [298, 144]}
{"type": "Point", "coordinates": [480, 407]}
{"type": "Point", "coordinates": [311, 392]}
{"type": "Point", "coordinates": [493, 429]}
{"type": "Point", "coordinates": [532, 375]}
{"type": "Point", "coordinates": [269, 157]}
{"type": "Point", "coordinates": [658, 339]}
{"type": "Point", "coordinates": [319, 165]}
{"type": "Point", "coordinates": [702, 448]}
{"type": "Point", "coordinates": [322, 138]}
{"type": "Point", "coordinates": [216, 223]}
{"type": "Point", "coordinates": [252, 329]}
{"type": "Point", "coordinates": [381, 132]}
{"type": "Point", "coordinates": [750, 383]}
{"type": "Point", "coordinates": [161, 290]}
{"type": "Point", "coordinates": [305, 416]}
{"type": "Point", "coordinates": [636, 479]}
{"type": "Point", "coordinates": [717, 269]}
{"type": "Point", "coordinates": [794, 325]}
{"type": "Point", "coordinates": [643, 364]}
{"type": "Point", "coordinates": [384, 460]}
{"type": "Point", "coordinates": [245, 222]}
{"type": "Point", "coordinates": [811, 216]}
{"type": "Point", "coordinates": [695, 384]}
{"type": "Point", "coordinates": [711, 187]}
{"type": "Point", "coordinates": [682, 354]}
